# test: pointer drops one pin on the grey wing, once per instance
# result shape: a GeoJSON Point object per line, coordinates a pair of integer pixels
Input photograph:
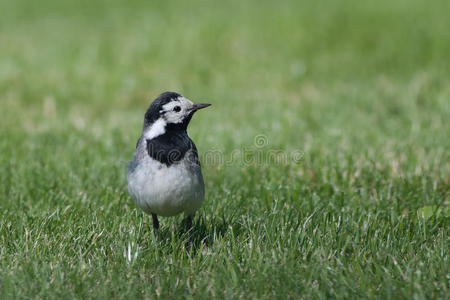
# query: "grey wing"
{"type": "Point", "coordinates": [193, 154]}
{"type": "Point", "coordinates": [138, 141]}
{"type": "Point", "coordinates": [137, 156]}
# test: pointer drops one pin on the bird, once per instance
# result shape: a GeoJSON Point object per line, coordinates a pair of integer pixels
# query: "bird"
{"type": "Point", "coordinates": [164, 178]}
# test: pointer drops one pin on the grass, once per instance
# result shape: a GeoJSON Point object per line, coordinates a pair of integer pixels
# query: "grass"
{"type": "Point", "coordinates": [358, 91]}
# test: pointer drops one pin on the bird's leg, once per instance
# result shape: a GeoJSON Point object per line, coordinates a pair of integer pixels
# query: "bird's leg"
{"type": "Point", "coordinates": [189, 222]}
{"type": "Point", "coordinates": [188, 228]}
{"type": "Point", "coordinates": [155, 223]}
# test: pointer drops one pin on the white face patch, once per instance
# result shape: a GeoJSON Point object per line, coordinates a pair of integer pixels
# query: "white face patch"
{"type": "Point", "coordinates": [156, 129]}
{"type": "Point", "coordinates": [170, 112]}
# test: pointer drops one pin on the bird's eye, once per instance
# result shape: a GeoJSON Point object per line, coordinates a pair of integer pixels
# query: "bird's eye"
{"type": "Point", "coordinates": [177, 108]}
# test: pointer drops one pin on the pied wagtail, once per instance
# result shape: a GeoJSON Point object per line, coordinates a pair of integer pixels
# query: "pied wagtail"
{"type": "Point", "coordinates": [165, 178]}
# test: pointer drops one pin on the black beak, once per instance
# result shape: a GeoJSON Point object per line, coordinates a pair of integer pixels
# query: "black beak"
{"type": "Point", "coordinates": [200, 106]}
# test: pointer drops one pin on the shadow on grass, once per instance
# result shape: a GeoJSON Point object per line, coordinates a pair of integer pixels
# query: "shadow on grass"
{"type": "Point", "coordinates": [203, 232]}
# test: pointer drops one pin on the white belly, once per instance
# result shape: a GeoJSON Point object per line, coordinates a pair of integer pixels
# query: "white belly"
{"type": "Point", "coordinates": [166, 191]}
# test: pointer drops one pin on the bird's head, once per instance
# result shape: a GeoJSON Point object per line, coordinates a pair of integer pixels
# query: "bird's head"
{"type": "Point", "coordinates": [170, 111]}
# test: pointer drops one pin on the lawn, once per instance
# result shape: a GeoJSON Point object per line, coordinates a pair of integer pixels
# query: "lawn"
{"type": "Point", "coordinates": [325, 154]}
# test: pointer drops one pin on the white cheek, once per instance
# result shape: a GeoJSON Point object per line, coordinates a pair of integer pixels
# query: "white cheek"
{"type": "Point", "coordinates": [174, 117]}
{"type": "Point", "coordinates": [158, 128]}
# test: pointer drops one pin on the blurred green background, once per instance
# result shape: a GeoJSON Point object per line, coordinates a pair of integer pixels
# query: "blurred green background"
{"type": "Point", "coordinates": [360, 88]}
